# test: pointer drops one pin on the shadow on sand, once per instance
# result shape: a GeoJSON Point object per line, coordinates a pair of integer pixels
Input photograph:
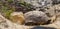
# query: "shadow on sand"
{"type": "Point", "coordinates": [41, 27]}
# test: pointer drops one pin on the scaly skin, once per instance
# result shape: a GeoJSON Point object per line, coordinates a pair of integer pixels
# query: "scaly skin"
{"type": "Point", "coordinates": [37, 17]}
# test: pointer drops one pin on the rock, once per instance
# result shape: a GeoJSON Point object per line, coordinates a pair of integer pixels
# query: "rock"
{"type": "Point", "coordinates": [17, 17]}
{"type": "Point", "coordinates": [53, 10]}
{"type": "Point", "coordinates": [37, 17]}
{"type": "Point", "coordinates": [56, 1]}
{"type": "Point", "coordinates": [53, 19]}
{"type": "Point", "coordinates": [50, 11]}
{"type": "Point", "coordinates": [39, 3]}
{"type": "Point", "coordinates": [6, 24]}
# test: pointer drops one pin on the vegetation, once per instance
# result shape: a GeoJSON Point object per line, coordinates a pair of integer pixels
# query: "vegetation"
{"type": "Point", "coordinates": [9, 6]}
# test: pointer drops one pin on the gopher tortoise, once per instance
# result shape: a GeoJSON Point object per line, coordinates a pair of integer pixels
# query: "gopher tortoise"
{"type": "Point", "coordinates": [36, 18]}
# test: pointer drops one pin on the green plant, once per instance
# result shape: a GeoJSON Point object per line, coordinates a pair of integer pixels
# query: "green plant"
{"type": "Point", "coordinates": [10, 1]}
{"type": "Point", "coordinates": [6, 11]}
{"type": "Point", "coordinates": [26, 5]}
